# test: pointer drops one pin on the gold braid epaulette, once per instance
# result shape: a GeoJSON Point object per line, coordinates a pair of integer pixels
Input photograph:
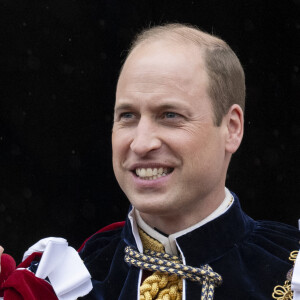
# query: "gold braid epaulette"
{"type": "Point", "coordinates": [284, 292]}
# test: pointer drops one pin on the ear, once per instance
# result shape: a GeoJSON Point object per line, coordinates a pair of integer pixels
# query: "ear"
{"type": "Point", "coordinates": [235, 128]}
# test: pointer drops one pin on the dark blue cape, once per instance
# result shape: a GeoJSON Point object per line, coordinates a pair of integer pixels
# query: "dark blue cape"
{"type": "Point", "coordinates": [251, 256]}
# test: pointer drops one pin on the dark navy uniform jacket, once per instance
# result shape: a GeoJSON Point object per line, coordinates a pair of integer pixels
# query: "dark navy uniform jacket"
{"type": "Point", "coordinates": [251, 256]}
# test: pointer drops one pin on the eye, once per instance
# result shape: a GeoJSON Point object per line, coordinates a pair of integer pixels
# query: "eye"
{"type": "Point", "coordinates": [126, 118]}
{"type": "Point", "coordinates": [171, 115]}
{"type": "Point", "coordinates": [126, 115]}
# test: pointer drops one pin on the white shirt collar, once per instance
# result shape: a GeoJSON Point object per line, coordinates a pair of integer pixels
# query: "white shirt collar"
{"type": "Point", "coordinates": [169, 242]}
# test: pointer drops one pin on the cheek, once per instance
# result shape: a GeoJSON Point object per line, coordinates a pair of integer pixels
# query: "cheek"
{"type": "Point", "coordinates": [203, 151]}
{"type": "Point", "coordinates": [120, 148]}
{"type": "Point", "coordinates": [116, 153]}
{"type": "Point", "coordinates": [117, 167]}
{"type": "Point", "coordinates": [118, 144]}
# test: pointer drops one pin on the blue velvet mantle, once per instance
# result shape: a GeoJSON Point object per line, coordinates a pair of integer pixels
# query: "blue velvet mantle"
{"type": "Point", "coordinates": [251, 256]}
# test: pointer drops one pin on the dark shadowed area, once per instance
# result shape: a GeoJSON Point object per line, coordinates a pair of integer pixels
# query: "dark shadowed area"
{"type": "Point", "coordinates": [59, 64]}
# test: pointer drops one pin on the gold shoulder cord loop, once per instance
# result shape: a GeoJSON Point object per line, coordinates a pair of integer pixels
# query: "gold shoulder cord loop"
{"type": "Point", "coordinates": [166, 264]}
{"type": "Point", "coordinates": [284, 292]}
{"type": "Point", "coordinates": [166, 282]}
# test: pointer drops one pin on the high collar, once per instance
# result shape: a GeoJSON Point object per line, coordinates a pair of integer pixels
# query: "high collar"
{"type": "Point", "coordinates": [169, 242]}
{"type": "Point", "coordinates": [207, 242]}
{"type": "Point", "coordinates": [214, 239]}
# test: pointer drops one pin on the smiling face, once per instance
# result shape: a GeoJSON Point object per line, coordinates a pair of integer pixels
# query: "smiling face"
{"type": "Point", "coordinates": [168, 156]}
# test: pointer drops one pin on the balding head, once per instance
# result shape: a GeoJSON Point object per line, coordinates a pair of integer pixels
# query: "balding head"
{"type": "Point", "coordinates": [226, 76]}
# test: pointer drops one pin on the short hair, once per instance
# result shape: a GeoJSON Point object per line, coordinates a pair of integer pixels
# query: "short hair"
{"type": "Point", "coordinates": [225, 73]}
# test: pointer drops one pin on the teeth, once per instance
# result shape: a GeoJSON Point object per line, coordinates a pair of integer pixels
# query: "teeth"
{"type": "Point", "coordinates": [150, 174]}
{"type": "Point", "coordinates": [142, 173]}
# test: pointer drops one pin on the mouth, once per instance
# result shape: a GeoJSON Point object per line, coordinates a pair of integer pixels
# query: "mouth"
{"type": "Point", "coordinates": [152, 173]}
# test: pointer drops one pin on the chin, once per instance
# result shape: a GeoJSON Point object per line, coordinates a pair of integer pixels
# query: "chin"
{"type": "Point", "coordinates": [152, 208]}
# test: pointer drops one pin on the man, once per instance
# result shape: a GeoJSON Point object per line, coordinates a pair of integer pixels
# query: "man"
{"type": "Point", "coordinates": [178, 119]}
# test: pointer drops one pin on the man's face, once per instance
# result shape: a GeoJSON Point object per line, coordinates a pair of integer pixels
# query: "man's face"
{"type": "Point", "coordinates": [167, 154]}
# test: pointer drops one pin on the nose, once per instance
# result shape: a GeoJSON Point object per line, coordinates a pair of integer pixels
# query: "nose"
{"type": "Point", "coordinates": [146, 138]}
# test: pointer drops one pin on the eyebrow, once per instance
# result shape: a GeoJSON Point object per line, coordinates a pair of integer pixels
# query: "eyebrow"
{"type": "Point", "coordinates": [124, 106]}
{"type": "Point", "coordinates": [170, 106]}
{"type": "Point", "coordinates": [166, 106]}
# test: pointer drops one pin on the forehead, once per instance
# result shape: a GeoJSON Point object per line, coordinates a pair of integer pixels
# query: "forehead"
{"type": "Point", "coordinates": [152, 67]}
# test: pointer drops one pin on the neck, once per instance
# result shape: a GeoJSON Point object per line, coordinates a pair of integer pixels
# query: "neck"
{"type": "Point", "coordinates": [185, 218]}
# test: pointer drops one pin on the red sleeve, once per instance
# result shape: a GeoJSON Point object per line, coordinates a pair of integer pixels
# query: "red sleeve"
{"type": "Point", "coordinates": [23, 285]}
{"type": "Point", "coordinates": [8, 266]}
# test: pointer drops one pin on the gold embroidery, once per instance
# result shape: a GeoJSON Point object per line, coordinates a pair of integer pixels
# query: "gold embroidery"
{"type": "Point", "coordinates": [284, 292]}
{"type": "Point", "coordinates": [293, 255]}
